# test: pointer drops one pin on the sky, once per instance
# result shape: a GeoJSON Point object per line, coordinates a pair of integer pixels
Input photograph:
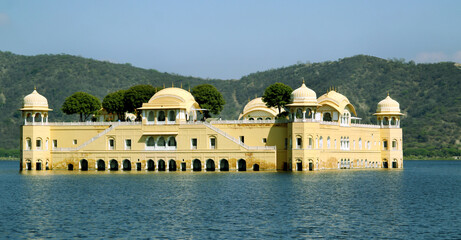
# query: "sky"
{"type": "Point", "coordinates": [231, 39]}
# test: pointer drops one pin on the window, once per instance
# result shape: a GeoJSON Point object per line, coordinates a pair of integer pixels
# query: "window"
{"type": "Point", "coordinates": [360, 143]}
{"type": "Point", "coordinates": [150, 116]}
{"type": "Point", "coordinates": [172, 142]}
{"type": "Point", "coordinates": [46, 144]}
{"type": "Point", "coordinates": [150, 142]}
{"type": "Point", "coordinates": [213, 143]}
{"type": "Point", "coordinates": [385, 145]}
{"type": "Point", "coordinates": [321, 142]}
{"type": "Point", "coordinates": [310, 143]}
{"type": "Point", "coordinates": [394, 144]}
{"type": "Point", "coordinates": [242, 139]}
{"type": "Point", "coordinates": [127, 144]}
{"type": "Point", "coordinates": [264, 140]}
{"type": "Point", "coordinates": [28, 144]}
{"type": "Point", "coordinates": [161, 142]}
{"type": "Point", "coordinates": [111, 144]}
{"type": "Point", "coordinates": [299, 143]}
{"type": "Point", "coordinates": [193, 143]}
{"type": "Point", "coordinates": [74, 141]}
{"type": "Point", "coordinates": [38, 144]}
{"type": "Point", "coordinates": [328, 142]}
{"type": "Point", "coordinates": [55, 143]}
{"type": "Point", "coordinates": [161, 116]}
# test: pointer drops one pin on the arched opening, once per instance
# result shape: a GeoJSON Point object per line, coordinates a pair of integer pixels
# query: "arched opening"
{"type": "Point", "coordinates": [28, 144]}
{"type": "Point", "coordinates": [311, 166]}
{"type": "Point", "coordinates": [172, 165]}
{"type": "Point", "coordinates": [183, 166]}
{"type": "Point", "coordinates": [260, 118]}
{"type": "Point", "coordinates": [241, 165]}
{"type": "Point", "coordinates": [299, 166]}
{"type": "Point", "coordinates": [210, 166]}
{"type": "Point", "coordinates": [224, 165]}
{"type": "Point", "coordinates": [161, 142]}
{"type": "Point", "coordinates": [38, 117]}
{"type": "Point", "coordinates": [394, 144]}
{"type": "Point", "coordinates": [150, 165]}
{"type": "Point", "coordinates": [113, 165]}
{"type": "Point", "coordinates": [29, 117]}
{"type": "Point", "coordinates": [84, 165]}
{"type": "Point", "coordinates": [150, 142]}
{"type": "Point", "coordinates": [196, 165]}
{"type": "Point", "coordinates": [251, 119]}
{"type": "Point", "coordinates": [126, 165]}
{"type": "Point", "coordinates": [150, 117]}
{"type": "Point", "coordinates": [38, 165]}
{"type": "Point", "coordinates": [394, 164]}
{"type": "Point", "coordinates": [393, 122]}
{"type": "Point", "coordinates": [28, 165]}
{"type": "Point", "coordinates": [101, 165]}
{"type": "Point", "coordinates": [255, 167]}
{"type": "Point", "coordinates": [161, 116]}
{"type": "Point", "coordinates": [171, 116]}
{"type": "Point", "coordinates": [299, 113]}
{"type": "Point", "coordinates": [385, 164]}
{"type": "Point", "coordinates": [161, 165]}
{"type": "Point", "coordinates": [172, 142]}
{"type": "Point", "coordinates": [138, 166]}
{"type": "Point", "coordinates": [268, 118]}
{"type": "Point", "coordinates": [70, 167]}
{"type": "Point", "coordinates": [386, 121]}
{"type": "Point", "coordinates": [308, 113]}
{"type": "Point", "coordinates": [327, 117]}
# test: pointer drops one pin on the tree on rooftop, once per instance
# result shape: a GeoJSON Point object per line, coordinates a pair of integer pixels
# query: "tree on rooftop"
{"type": "Point", "coordinates": [208, 97]}
{"type": "Point", "coordinates": [82, 103]}
{"type": "Point", "coordinates": [113, 103]}
{"type": "Point", "coordinates": [277, 95]}
{"type": "Point", "coordinates": [135, 96]}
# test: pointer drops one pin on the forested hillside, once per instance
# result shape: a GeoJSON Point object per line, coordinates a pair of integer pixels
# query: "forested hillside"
{"type": "Point", "coordinates": [429, 94]}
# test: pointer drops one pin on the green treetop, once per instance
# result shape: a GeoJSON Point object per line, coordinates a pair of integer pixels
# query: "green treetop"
{"type": "Point", "coordinates": [82, 103]}
{"type": "Point", "coordinates": [208, 97]}
{"type": "Point", "coordinates": [135, 96]}
{"type": "Point", "coordinates": [113, 103]}
{"type": "Point", "coordinates": [277, 95]}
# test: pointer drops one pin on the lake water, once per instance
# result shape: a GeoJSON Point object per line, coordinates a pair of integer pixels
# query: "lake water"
{"type": "Point", "coordinates": [422, 201]}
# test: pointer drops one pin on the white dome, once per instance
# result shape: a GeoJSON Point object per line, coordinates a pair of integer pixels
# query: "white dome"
{"type": "Point", "coordinates": [35, 101]}
{"type": "Point", "coordinates": [388, 105]}
{"type": "Point", "coordinates": [304, 96]}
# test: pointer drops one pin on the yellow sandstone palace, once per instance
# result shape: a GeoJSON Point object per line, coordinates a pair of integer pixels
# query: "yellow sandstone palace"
{"type": "Point", "coordinates": [320, 133]}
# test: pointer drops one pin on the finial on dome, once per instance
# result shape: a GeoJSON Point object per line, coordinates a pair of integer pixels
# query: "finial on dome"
{"type": "Point", "coordinates": [388, 93]}
{"type": "Point", "coordinates": [35, 88]}
{"type": "Point", "coordinates": [163, 85]}
{"type": "Point", "coordinates": [181, 84]}
{"type": "Point", "coordinates": [303, 80]}
{"type": "Point", "coordinates": [172, 84]}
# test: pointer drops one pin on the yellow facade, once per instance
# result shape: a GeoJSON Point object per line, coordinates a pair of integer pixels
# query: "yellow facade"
{"type": "Point", "coordinates": [318, 134]}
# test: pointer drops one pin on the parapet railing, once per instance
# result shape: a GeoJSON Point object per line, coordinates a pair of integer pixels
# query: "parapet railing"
{"type": "Point", "coordinates": [365, 125]}
{"type": "Point", "coordinates": [249, 121]}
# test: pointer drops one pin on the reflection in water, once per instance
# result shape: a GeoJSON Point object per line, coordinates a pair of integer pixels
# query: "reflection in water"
{"type": "Point", "coordinates": [422, 199]}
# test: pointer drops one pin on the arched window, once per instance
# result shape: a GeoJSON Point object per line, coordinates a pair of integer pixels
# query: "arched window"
{"type": "Point", "coordinates": [386, 121]}
{"type": "Point", "coordinates": [394, 145]}
{"type": "Point", "coordinates": [161, 142]}
{"type": "Point", "coordinates": [28, 144]}
{"type": "Point", "coordinates": [360, 143]}
{"type": "Point", "coordinates": [393, 122]}
{"type": "Point", "coordinates": [308, 113]}
{"type": "Point", "coordinates": [328, 142]}
{"type": "Point", "coordinates": [368, 145]}
{"type": "Point", "coordinates": [251, 119]}
{"type": "Point", "coordinates": [268, 118]}
{"type": "Point", "coordinates": [260, 118]}
{"type": "Point", "coordinates": [299, 142]}
{"type": "Point", "coordinates": [385, 145]}
{"type": "Point", "coordinates": [29, 117]}
{"type": "Point", "coordinates": [38, 144]}
{"type": "Point", "coordinates": [150, 142]}
{"type": "Point", "coordinates": [172, 142]}
{"type": "Point", "coordinates": [171, 116]}
{"type": "Point", "coordinates": [161, 116]}
{"type": "Point", "coordinates": [321, 142]}
{"type": "Point", "coordinates": [38, 117]}
{"type": "Point", "coordinates": [150, 116]}
{"type": "Point", "coordinates": [327, 117]}
{"type": "Point", "coordinates": [299, 113]}
{"type": "Point", "coordinates": [310, 143]}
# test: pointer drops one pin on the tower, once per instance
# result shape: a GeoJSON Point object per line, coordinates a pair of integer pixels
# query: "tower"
{"type": "Point", "coordinates": [388, 115]}
{"type": "Point", "coordinates": [35, 133]}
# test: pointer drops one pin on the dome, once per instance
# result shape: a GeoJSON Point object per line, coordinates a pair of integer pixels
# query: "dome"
{"type": "Point", "coordinates": [257, 108]}
{"type": "Point", "coordinates": [304, 96]}
{"type": "Point", "coordinates": [35, 101]}
{"type": "Point", "coordinates": [178, 92]}
{"type": "Point", "coordinates": [171, 98]}
{"type": "Point", "coordinates": [336, 100]}
{"type": "Point", "coordinates": [388, 106]}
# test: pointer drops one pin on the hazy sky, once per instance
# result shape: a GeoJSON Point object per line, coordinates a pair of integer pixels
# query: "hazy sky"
{"type": "Point", "coordinates": [230, 39]}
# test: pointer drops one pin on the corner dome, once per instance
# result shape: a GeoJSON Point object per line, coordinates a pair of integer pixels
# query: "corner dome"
{"type": "Point", "coordinates": [178, 92]}
{"type": "Point", "coordinates": [304, 96]}
{"type": "Point", "coordinates": [388, 106]}
{"type": "Point", "coordinates": [35, 101]}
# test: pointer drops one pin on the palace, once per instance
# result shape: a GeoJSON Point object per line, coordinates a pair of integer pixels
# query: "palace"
{"type": "Point", "coordinates": [319, 133]}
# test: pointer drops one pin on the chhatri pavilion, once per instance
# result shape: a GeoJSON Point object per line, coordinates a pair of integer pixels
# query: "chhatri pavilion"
{"type": "Point", "coordinates": [319, 133]}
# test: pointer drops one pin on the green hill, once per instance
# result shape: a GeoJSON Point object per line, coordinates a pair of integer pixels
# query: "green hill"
{"type": "Point", "coordinates": [429, 94]}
